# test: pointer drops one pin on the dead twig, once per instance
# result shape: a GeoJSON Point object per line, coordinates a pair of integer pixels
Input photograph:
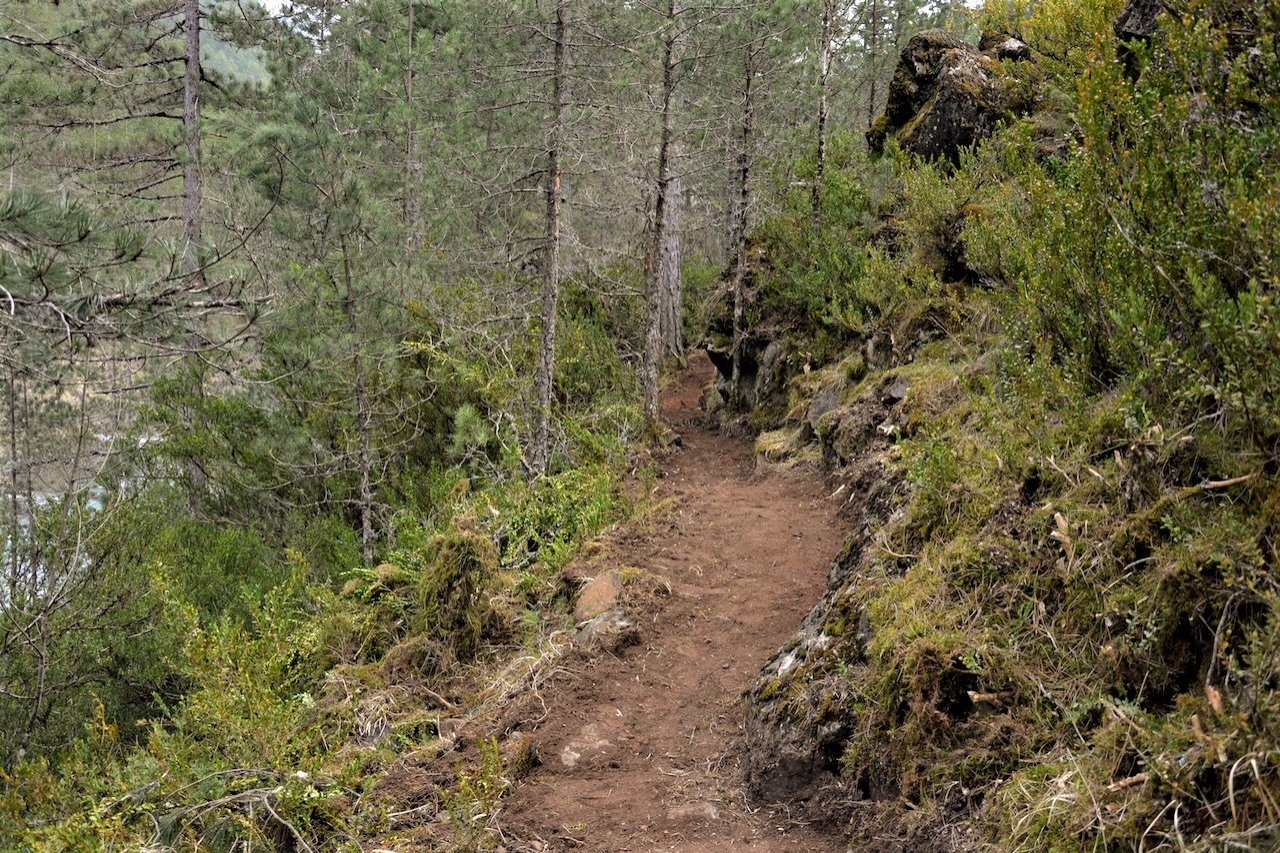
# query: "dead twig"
{"type": "Point", "coordinates": [1127, 783]}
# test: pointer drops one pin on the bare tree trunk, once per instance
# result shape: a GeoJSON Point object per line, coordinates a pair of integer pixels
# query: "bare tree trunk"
{"type": "Point", "coordinates": [412, 168]}
{"type": "Point", "coordinates": [824, 69]}
{"type": "Point", "coordinates": [33, 556]}
{"type": "Point", "coordinates": [742, 224]}
{"type": "Point", "coordinates": [15, 524]}
{"type": "Point", "coordinates": [873, 44]}
{"type": "Point", "coordinates": [364, 458]}
{"type": "Point", "coordinates": [192, 192]}
{"type": "Point", "coordinates": [40, 645]}
{"type": "Point", "coordinates": [672, 291]}
{"type": "Point", "coordinates": [653, 272]}
{"type": "Point", "coordinates": [541, 450]}
{"type": "Point", "coordinates": [365, 463]}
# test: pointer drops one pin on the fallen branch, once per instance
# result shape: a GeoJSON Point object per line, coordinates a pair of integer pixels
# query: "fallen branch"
{"type": "Point", "coordinates": [437, 698]}
{"type": "Point", "coordinates": [1191, 491]}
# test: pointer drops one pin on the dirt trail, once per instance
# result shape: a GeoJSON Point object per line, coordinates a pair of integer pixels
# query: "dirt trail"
{"type": "Point", "coordinates": [633, 747]}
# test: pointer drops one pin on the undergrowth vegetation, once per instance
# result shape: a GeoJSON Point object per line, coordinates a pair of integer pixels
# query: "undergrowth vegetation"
{"type": "Point", "coordinates": [1053, 369]}
{"type": "Point", "coordinates": [1069, 622]}
{"type": "Point", "coordinates": [270, 675]}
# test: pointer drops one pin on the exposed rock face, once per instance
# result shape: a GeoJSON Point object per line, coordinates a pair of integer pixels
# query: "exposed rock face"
{"type": "Point", "coordinates": [765, 368]}
{"type": "Point", "coordinates": [1004, 46]}
{"type": "Point", "coordinates": [601, 594]}
{"type": "Point", "coordinates": [771, 378]}
{"type": "Point", "coordinates": [1138, 20]}
{"type": "Point", "coordinates": [912, 85]}
{"type": "Point", "coordinates": [825, 400]}
{"type": "Point", "coordinates": [947, 94]}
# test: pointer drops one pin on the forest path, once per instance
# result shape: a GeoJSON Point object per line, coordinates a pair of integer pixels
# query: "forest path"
{"type": "Point", "coordinates": [633, 745]}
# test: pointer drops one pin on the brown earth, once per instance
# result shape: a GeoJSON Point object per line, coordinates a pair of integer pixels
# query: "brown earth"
{"type": "Point", "coordinates": [635, 746]}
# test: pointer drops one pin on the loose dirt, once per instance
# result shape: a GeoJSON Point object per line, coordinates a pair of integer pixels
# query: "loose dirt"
{"type": "Point", "coordinates": [633, 746]}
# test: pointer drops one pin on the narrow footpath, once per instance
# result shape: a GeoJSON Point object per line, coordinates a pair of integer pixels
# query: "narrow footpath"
{"type": "Point", "coordinates": [633, 747]}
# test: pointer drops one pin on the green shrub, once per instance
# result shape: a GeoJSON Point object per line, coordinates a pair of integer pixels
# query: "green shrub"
{"type": "Point", "coordinates": [820, 280]}
{"type": "Point", "coordinates": [461, 563]}
{"type": "Point", "coordinates": [1143, 255]}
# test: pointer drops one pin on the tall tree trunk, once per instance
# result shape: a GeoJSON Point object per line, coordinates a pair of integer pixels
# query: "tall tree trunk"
{"type": "Point", "coordinates": [33, 556]}
{"type": "Point", "coordinates": [192, 192]}
{"type": "Point", "coordinates": [741, 224]}
{"type": "Point", "coordinates": [364, 418]}
{"type": "Point", "coordinates": [364, 462]}
{"type": "Point", "coordinates": [412, 168]}
{"type": "Point", "coordinates": [15, 520]}
{"type": "Point", "coordinates": [672, 290]}
{"type": "Point", "coordinates": [541, 449]}
{"type": "Point", "coordinates": [824, 69]}
{"type": "Point", "coordinates": [873, 57]}
{"type": "Point", "coordinates": [653, 272]}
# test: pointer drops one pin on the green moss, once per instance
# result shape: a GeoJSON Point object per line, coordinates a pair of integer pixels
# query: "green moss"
{"type": "Point", "coordinates": [853, 368]}
{"type": "Point", "coordinates": [770, 690]}
{"type": "Point", "coordinates": [880, 124]}
{"type": "Point", "coordinates": [461, 562]}
{"type": "Point", "coordinates": [840, 623]}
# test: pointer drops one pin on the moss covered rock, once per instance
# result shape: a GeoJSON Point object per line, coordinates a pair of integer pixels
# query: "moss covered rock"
{"type": "Point", "coordinates": [946, 95]}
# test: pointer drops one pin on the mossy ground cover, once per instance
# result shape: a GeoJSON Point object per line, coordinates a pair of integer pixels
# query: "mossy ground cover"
{"type": "Point", "coordinates": [1066, 625]}
{"type": "Point", "coordinates": [1049, 604]}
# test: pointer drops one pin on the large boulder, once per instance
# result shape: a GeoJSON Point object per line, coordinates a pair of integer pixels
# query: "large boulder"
{"type": "Point", "coordinates": [1136, 24]}
{"type": "Point", "coordinates": [947, 94]}
{"type": "Point", "coordinates": [918, 68]}
{"type": "Point", "coordinates": [1138, 20]}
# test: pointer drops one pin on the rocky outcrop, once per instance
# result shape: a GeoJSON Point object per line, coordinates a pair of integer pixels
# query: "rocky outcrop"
{"type": "Point", "coordinates": [947, 94]}
{"type": "Point", "coordinates": [765, 368]}
{"type": "Point", "coordinates": [1004, 46]}
{"type": "Point", "coordinates": [1136, 24]}
{"type": "Point", "coordinates": [1138, 20]}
